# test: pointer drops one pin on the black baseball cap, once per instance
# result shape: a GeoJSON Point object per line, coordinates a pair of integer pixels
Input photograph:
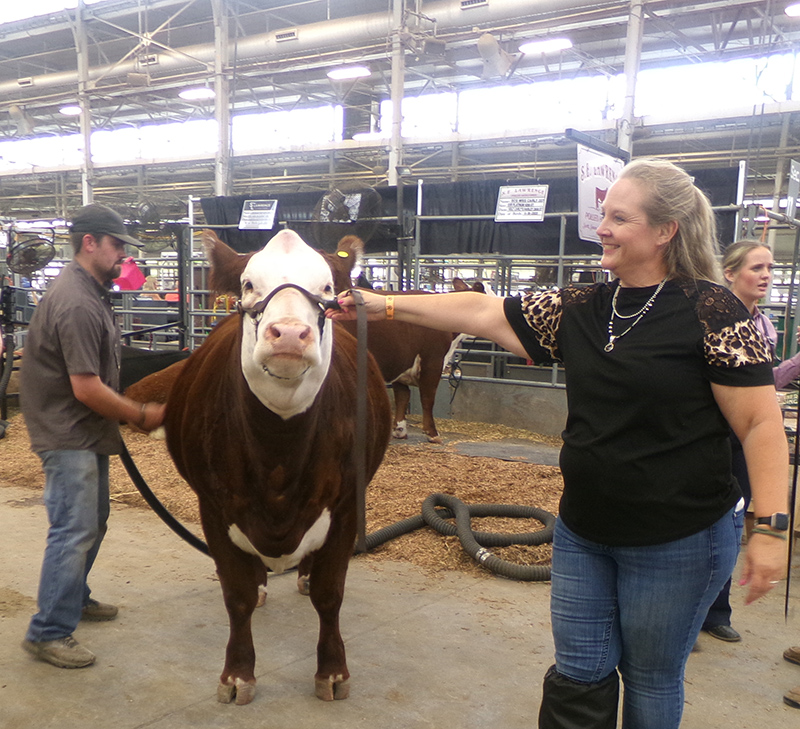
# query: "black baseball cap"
{"type": "Point", "coordinates": [100, 220]}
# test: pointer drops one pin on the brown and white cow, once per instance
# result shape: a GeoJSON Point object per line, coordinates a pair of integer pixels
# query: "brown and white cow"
{"type": "Point", "coordinates": [407, 354]}
{"type": "Point", "coordinates": [261, 423]}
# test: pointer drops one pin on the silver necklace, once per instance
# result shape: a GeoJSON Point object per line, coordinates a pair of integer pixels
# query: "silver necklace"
{"type": "Point", "coordinates": [612, 338]}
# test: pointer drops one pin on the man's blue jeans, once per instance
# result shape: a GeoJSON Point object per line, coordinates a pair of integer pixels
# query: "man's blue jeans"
{"type": "Point", "coordinates": [638, 608]}
{"type": "Point", "coordinates": [77, 501]}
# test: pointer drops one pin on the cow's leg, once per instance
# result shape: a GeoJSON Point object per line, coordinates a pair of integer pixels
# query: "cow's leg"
{"type": "Point", "coordinates": [240, 575]}
{"type": "Point", "coordinates": [429, 378]}
{"type": "Point", "coordinates": [262, 588]}
{"type": "Point", "coordinates": [328, 572]}
{"type": "Point", "coordinates": [402, 397]}
{"type": "Point", "coordinates": [304, 574]}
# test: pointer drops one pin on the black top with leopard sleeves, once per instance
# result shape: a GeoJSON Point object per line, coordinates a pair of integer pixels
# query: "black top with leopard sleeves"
{"type": "Point", "coordinates": [646, 456]}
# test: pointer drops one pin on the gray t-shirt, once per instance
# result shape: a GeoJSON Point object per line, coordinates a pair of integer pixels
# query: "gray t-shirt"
{"type": "Point", "coordinates": [72, 332]}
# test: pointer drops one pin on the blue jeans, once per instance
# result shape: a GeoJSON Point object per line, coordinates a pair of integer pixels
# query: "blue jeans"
{"type": "Point", "coordinates": [77, 501]}
{"type": "Point", "coordinates": [639, 609]}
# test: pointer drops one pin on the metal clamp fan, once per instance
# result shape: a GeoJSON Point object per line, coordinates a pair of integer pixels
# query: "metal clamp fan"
{"type": "Point", "coordinates": [29, 252]}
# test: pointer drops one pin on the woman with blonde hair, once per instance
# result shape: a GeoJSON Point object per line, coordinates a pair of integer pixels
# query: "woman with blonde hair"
{"type": "Point", "coordinates": [648, 530]}
{"type": "Point", "coordinates": [748, 269]}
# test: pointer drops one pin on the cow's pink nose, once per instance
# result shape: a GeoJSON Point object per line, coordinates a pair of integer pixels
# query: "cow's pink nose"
{"type": "Point", "coordinates": [288, 333]}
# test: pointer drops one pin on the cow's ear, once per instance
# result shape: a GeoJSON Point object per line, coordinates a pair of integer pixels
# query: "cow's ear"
{"type": "Point", "coordinates": [459, 284]}
{"type": "Point", "coordinates": [351, 246]}
{"type": "Point", "coordinates": [226, 264]}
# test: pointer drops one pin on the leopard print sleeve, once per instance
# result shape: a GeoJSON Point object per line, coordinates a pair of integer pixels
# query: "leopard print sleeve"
{"type": "Point", "coordinates": [730, 336]}
{"type": "Point", "coordinates": [542, 312]}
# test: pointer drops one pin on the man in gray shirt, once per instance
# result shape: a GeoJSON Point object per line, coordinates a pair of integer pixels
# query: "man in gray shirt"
{"type": "Point", "coordinates": [72, 409]}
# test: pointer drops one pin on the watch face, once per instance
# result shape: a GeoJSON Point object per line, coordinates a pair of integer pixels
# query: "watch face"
{"type": "Point", "coordinates": [780, 522]}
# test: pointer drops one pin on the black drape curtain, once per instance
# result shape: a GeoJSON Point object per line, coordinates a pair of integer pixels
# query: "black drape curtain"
{"type": "Point", "coordinates": [449, 237]}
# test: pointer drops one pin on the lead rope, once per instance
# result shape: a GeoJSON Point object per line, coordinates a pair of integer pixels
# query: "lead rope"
{"type": "Point", "coordinates": [359, 451]}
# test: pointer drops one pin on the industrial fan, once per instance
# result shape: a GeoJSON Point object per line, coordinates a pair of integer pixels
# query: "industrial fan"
{"type": "Point", "coordinates": [29, 252]}
{"type": "Point", "coordinates": [346, 210]}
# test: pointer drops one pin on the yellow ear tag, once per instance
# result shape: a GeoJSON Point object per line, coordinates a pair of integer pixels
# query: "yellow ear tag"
{"type": "Point", "coordinates": [342, 254]}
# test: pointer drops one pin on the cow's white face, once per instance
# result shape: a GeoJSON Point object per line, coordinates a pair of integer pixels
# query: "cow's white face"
{"type": "Point", "coordinates": [284, 357]}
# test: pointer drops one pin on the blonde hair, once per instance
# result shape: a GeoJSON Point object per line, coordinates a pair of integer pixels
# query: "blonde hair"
{"type": "Point", "coordinates": [671, 195]}
{"type": "Point", "coordinates": [735, 253]}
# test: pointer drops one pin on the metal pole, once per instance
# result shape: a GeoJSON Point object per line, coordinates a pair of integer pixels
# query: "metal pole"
{"type": "Point", "coordinates": [398, 87]}
{"type": "Point", "coordinates": [222, 167]}
{"type": "Point", "coordinates": [741, 183]}
{"type": "Point", "coordinates": [417, 237]}
{"type": "Point", "coordinates": [790, 319]}
{"type": "Point", "coordinates": [82, 50]}
{"type": "Point", "coordinates": [633, 54]}
{"type": "Point", "coordinates": [184, 256]}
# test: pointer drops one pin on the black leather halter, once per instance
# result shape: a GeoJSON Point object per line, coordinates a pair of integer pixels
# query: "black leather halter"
{"type": "Point", "coordinates": [322, 304]}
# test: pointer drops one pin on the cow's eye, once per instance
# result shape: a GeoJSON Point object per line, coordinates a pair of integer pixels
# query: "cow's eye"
{"type": "Point", "coordinates": [328, 289]}
{"type": "Point", "coordinates": [247, 286]}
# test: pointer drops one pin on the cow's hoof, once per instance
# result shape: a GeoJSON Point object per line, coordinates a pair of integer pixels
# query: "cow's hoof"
{"type": "Point", "coordinates": [159, 433]}
{"type": "Point", "coordinates": [239, 691]}
{"type": "Point", "coordinates": [435, 439]}
{"type": "Point", "coordinates": [332, 688]}
{"type": "Point", "coordinates": [304, 584]}
{"type": "Point", "coordinates": [262, 596]}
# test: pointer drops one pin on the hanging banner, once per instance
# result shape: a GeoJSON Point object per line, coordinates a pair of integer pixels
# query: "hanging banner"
{"type": "Point", "coordinates": [596, 172]}
{"type": "Point", "coordinates": [516, 203]}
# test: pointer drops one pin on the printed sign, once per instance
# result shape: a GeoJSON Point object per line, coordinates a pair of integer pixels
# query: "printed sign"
{"type": "Point", "coordinates": [596, 172]}
{"type": "Point", "coordinates": [517, 203]}
{"type": "Point", "coordinates": [258, 215]}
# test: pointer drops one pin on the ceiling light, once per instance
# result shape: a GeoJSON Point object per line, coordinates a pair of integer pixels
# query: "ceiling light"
{"type": "Point", "coordinates": [793, 10]}
{"type": "Point", "coordinates": [344, 73]}
{"type": "Point", "coordinates": [70, 110]}
{"type": "Point", "coordinates": [548, 45]}
{"type": "Point", "coordinates": [197, 93]}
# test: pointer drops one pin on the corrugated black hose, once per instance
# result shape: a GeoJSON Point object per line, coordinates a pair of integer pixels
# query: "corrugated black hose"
{"type": "Point", "coordinates": [476, 543]}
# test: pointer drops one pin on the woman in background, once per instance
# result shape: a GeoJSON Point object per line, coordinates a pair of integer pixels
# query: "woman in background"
{"type": "Point", "coordinates": [748, 265]}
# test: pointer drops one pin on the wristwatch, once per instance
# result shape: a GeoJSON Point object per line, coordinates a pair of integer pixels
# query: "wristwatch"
{"type": "Point", "coordinates": [778, 522]}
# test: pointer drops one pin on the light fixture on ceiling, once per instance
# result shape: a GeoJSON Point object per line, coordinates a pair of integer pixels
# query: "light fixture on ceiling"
{"type": "Point", "coordinates": [197, 93]}
{"type": "Point", "coordinates": [70, 110]}
{"type": "Point", "coordinates": [347, 73]}
{"type": "Point", "coordinates": [496, 61]}
{"type": "Point", "coordinates": [545, 45]}
{"type": "Point", "coordinates": [24, 122]}
{"type": "Point", "coordinates": [793, 10]}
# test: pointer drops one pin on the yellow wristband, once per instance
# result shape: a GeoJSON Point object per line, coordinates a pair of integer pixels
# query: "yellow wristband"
{"type": "Point", "coordinates": [390, 307]}
{"type": "Point", "coordinates": [142, 415]}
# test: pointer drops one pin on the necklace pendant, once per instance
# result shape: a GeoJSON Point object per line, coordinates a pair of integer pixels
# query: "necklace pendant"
{"type": "Point", "coordinates": [610, 345]}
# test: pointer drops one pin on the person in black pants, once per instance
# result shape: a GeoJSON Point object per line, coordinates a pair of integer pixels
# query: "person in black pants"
{"type": "Point", "coordinates": [747, 266]}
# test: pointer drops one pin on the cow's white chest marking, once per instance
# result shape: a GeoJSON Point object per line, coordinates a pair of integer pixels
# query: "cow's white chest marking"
{"type": "Point", "coordinates": [312, 540]}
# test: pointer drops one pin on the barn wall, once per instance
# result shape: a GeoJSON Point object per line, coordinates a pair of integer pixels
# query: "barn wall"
{"type": "Point", "coordinates": [538, 409]}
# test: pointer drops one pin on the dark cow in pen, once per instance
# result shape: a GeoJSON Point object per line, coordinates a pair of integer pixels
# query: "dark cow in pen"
{"type": "Point", "coordinates": [261, 423]}
{"type": "Point", "coordinates": [409, 355]}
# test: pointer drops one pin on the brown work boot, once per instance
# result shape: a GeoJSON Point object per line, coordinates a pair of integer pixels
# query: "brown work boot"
{"type": "Point", "coordinates": [97, 611]}
{"type": "Point", "coordinates": [792, 698]}
{"type": "Point", "coordinates": [792, 655]}
{"type": "Point", "coordinates": [62, 652]}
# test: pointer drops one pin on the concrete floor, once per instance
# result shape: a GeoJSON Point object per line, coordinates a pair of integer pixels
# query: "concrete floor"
{"type": "Point", "coordinates": [451, 652]}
